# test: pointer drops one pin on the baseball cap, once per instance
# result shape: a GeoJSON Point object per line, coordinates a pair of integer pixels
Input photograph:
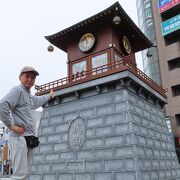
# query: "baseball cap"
{"type": "Point", "coordinates": [28, 69]}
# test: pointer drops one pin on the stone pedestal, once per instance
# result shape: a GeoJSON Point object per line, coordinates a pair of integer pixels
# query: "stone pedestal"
{"type": "Point", "coordinates": [112, 128]}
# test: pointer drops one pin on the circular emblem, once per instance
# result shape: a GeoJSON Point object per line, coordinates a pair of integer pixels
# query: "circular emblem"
{"type": "Point", "coordinates": [126, 44]}
{"type": "Point", "coordinates": [76, 134]}
{"type": "Point", "coordinates": [86, 42]}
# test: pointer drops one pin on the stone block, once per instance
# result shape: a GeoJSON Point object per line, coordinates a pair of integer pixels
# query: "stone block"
{"type": "Point", "coordinates": [58, 167]}
{"type": "Point", "coordinates": [122, 128]}
{"type": "Point", "coordinates": [121, 107]}
{"type": "Point", "coordinates": [43, 168]}
{"type": "Point", "coordinates": [35, 177]}
{"type": "Point", "coordinates": [130, 163]}
{"type": "Point", "coordinates": [85, 155]}
{"type": "Point", "coordinates": [70, 116]}
{"type": "Point", "coordinates": [62, 128]}
{"type": "Point", "coordinates": [103, 176]}
{"type": "Point", "coordinates": [75, 166]}
{"type": "Point", "coordinates": [55, 120]}
{"type": "Point", "coordinates": [49, 177]}
{"type": "Point", "coordinates": [124, 151]}
{"type": "Point", "coordinates": [115, 141]}
{"type": "Point", "coordinates": [104, 110]}
{"type": "Point", "coordinates": [93, 165]}
{"type": "Point", "coordinates": [52, 157]}
{"type": "Point", "coordinates": [114, 164]}
{"type": "Point", "coordinates": [115, 118]}
{"type": "Point", "coordinates": [46, 148]}
{"type": "Point", "coordinates": [103, 153]}
{"type": "Point", "coordinates": [94, 143]}
{"type": "Point", "coordinates": [44, 122]}
{"type": "Point", "coordinates": [125, 176]}
{"type": "Point", "coordinates": [83, 176]}
{"type": "Point", "coordinates": [65, 176]}
{"type": "Point", "coordinates": [95, 122]}
{"type": "Point", "coordinates": [67, 156]}
{"type": "Point", "coordinates": [54, 138]}
{"type": "Point", "coordinates": [38, 158]}
{"type": "Point", "coordinates": [89, 113]}
{"type": "Point", "coordinates": [47, 130]}
{"type": "Point", "coordinates": [61, 147]}
{"type": "Point", "coordinates": [104, 131]}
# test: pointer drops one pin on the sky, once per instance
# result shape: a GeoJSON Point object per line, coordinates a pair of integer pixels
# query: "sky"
{"type": "Point", "coordinates": [23, 27]}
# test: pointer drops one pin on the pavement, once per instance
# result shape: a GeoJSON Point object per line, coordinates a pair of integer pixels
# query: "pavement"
{"type": "Point", "coordinates": [5, 178]}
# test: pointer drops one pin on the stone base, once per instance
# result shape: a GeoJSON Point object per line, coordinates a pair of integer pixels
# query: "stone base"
{"type": "Point", "coordinates": [106, 133]}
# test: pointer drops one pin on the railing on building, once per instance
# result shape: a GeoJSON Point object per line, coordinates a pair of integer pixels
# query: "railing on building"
{"type": "Point", "coordinates": [105, 70]}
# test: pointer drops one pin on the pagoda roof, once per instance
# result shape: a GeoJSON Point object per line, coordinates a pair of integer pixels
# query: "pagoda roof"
{"type": "Point", "coordinates": [140, 41]}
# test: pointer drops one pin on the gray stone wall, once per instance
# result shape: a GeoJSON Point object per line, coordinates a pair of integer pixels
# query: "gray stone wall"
{"type": "Point", "coordinates": [108, 134]}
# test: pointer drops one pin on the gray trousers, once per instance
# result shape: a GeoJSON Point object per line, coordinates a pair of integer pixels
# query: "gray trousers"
{"type": "Point", "coordinates": [21, 157]}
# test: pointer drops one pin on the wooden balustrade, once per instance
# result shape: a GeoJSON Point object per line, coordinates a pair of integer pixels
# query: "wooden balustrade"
{"type": "Point", "coordinates": [97, 72]}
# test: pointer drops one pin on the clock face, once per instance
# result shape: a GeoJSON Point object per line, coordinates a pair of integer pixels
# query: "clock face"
{"type": "Point", "coordinates": [86, 42]}
{"type": "Point", "coordinates": [126, 45]}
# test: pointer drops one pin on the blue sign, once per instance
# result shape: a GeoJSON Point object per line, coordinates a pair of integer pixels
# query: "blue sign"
{"type": "Point", "coordinates": [167, 4]}
{"type": "Point", "coordinates": [163, 2]}
{"type": "Point", "coordinates": [171, 25]}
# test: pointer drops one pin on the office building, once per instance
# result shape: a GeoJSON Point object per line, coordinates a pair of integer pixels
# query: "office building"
{"type": "Point", "coordinates": [160, 21]}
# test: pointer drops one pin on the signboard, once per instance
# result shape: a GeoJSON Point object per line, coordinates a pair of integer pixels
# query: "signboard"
{"type": "Point", "coordinates": [167, 4]}
{"type": "Point", "coordinates": [171, 25]}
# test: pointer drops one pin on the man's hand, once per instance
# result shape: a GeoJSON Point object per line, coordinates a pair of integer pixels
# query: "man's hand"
{"type": "Point", "coordinates": [52, 93]}
{"type": "Point", "coordinates": [17, 129]}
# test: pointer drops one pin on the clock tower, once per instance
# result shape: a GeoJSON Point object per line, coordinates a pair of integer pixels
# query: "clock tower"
{"type": "Point", "coordinates": [100, 40]}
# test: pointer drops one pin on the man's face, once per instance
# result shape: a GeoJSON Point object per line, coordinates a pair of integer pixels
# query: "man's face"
{"type": "Point", "coordinates": [27, 79]}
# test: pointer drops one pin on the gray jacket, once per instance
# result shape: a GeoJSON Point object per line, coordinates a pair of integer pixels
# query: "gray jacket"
{"type": "Point", "coordinates": [18, 108]}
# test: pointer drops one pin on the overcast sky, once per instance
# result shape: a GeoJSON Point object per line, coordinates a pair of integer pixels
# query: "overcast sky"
{"type": "Point", "coordinates": [24, 25]}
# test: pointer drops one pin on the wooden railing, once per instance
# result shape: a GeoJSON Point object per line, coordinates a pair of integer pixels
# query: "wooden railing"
{"type": "Point", "coordinates": [98, 72]}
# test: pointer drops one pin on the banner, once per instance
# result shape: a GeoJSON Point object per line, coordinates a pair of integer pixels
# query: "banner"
{"type": "Point", "coordinates": [167, 4]}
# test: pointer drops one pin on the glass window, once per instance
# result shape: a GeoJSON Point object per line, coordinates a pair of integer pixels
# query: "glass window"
{"type": "Point", "coordinates": [117, 57]}
{"type": "Point", "coordinates": [78, 70]}
{"type": "Point", "coordinates": [176, 90]}
{"type": "Point", "coordinates": [177, 116]}
{"type": "Point", "coordinates": [148, 13]}
{"type": "Point", "coordinates": [173, 64]}
{"type": "Point", "coordinates": [147, 5]}
{"type": "Point", "coordinates": [98, 61]}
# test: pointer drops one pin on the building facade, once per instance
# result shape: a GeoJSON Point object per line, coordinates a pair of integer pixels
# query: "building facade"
{"type": "Point", "coordinates": [150, 56]}
{"type": "Point", "coordinates": [160, 21]}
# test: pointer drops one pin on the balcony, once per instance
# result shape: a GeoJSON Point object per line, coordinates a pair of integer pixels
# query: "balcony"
{"type": "Point", "coordinates": [102, 71]}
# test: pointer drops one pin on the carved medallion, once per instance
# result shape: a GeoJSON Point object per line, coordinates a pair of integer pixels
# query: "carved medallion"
{"type": "Point", "coordinates": [76, 134]}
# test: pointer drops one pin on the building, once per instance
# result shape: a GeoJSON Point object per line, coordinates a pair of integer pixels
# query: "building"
{"type": "Point", "coordinates": [106, 121]}
{"type": "Point", "coordinates": [4, 150]}
{"type": "Point", "coordinates": [160, 21]}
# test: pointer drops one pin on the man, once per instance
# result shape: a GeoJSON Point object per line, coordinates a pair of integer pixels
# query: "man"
{"type": "Point", "coordinates": [17, 111]}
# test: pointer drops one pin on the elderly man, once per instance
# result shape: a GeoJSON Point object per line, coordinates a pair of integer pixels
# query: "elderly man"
{"type": "Point", "coordinates": [17, 110]}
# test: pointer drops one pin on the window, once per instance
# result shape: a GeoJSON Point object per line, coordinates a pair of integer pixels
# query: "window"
{"type": "Point", "coordinates": [98, 61]}
{"type": "Point", "coordinates": [176, 90]}
{"type": "Point", "coordinates": [177, 117]}
{"type": "Point", "coordinates": [78, 70]}
{"type": "Point", "coordinates": [117, 58]}
{"type": "Point", "coordinates": [148, 13]}
{"type": "Point", "coordinates": [174, 63]}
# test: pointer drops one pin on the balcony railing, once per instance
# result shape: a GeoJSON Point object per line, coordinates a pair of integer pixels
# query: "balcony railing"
{"type": "Point", "coordinates": [98, 72]}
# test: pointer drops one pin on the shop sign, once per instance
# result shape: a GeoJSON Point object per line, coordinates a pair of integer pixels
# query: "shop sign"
{"type": "Point", "coordinates": [171, 25]}
{"type": "Point", "coordinates": [167, 4]}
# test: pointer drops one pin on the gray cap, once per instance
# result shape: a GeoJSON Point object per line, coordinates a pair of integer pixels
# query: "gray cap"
{"type": "Point", "coordinates": [29, 69]}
